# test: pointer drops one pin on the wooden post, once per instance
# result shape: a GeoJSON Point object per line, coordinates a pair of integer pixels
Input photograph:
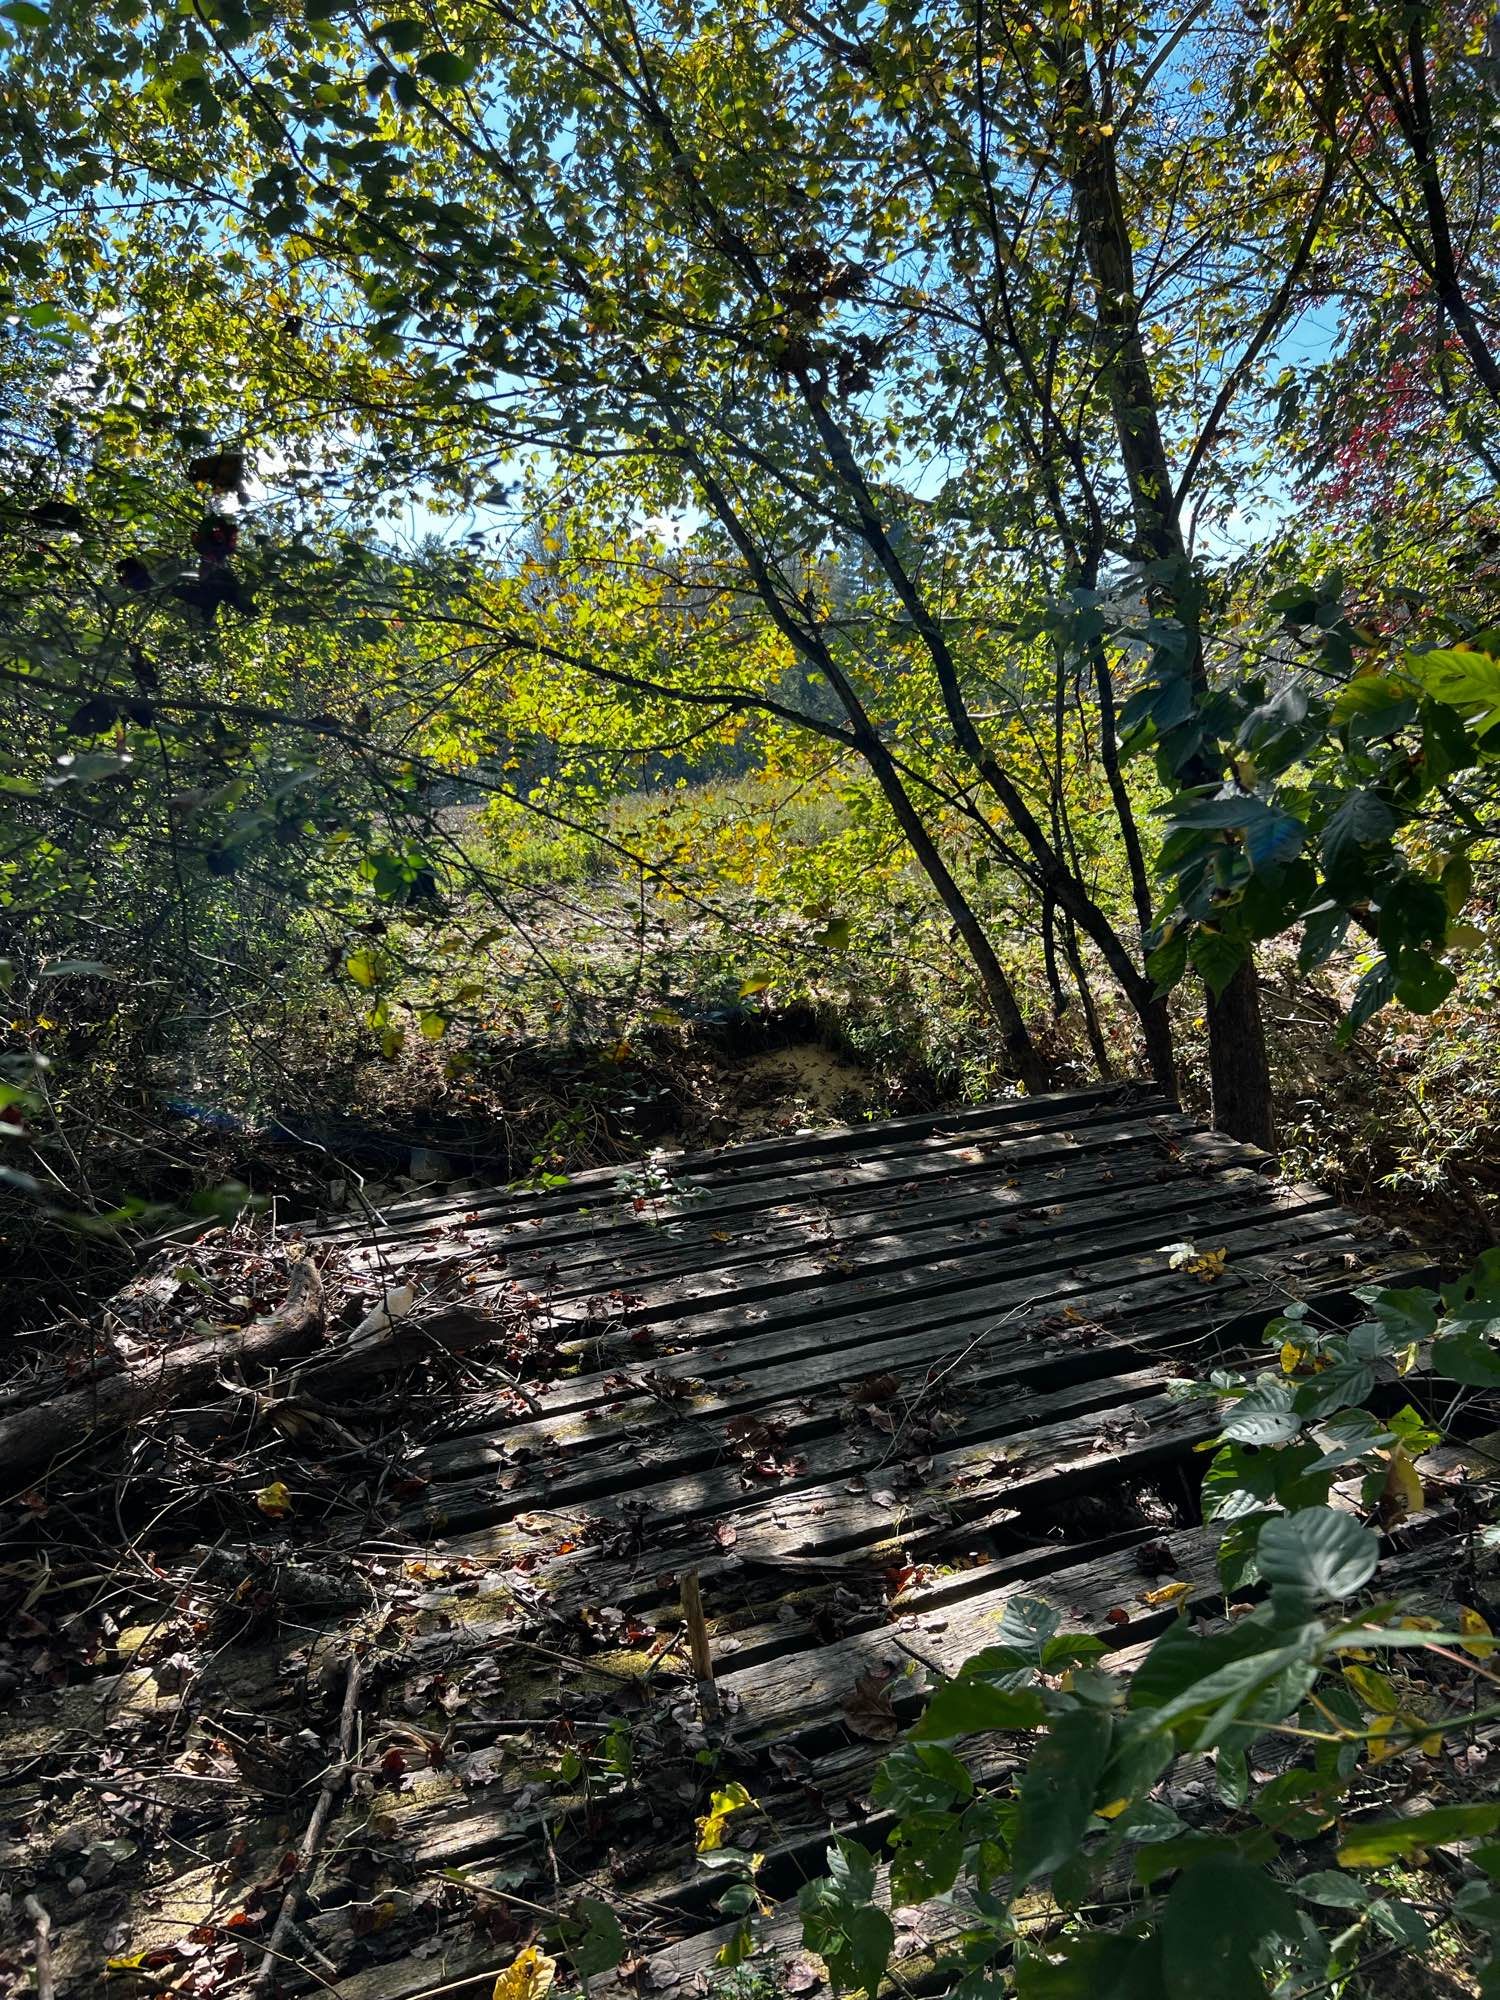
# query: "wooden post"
{"type": "Point", "coordinates": [703, 1658]}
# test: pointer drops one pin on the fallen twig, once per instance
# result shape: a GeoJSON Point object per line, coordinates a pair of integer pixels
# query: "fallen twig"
{"type": "Point", "coordinates": [334, 1781]}
{"type": "Point", "coordinates": [43, 1922]}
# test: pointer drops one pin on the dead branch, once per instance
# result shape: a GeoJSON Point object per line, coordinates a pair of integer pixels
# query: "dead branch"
{"type": "Point", "coordinates": [35, 1436]}
{"type": "Point", "coordinates": [334, 1781]}
{"type": "Point", "coordinates": [43, 1923]}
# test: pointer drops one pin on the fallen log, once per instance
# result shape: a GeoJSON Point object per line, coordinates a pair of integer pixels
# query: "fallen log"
{"type": "Point", "coordinates": [33, 1437]}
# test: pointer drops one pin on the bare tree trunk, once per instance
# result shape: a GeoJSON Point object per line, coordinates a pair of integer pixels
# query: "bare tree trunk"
{"type": "Point", "coordinates": [1237, 1061]}
{"type": "Point", "coordinates": [1238, 1069]}
{"type": "Point", "coordinates": [1024, 1057]}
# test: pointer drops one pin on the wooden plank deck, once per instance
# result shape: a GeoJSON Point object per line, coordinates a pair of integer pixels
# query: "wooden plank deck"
{"type": "Point", "coordinates": [866, 1384]}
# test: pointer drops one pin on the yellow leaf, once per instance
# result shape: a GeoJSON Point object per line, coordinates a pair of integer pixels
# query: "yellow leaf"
{"type": "Point", "coordinates": [275, 1499]}
{"type": "Point", "coordinates": [1381, 1746]}
{"type": "Point", "coordinates": [1402, 1493]}
{"type": "Point", "coordinates": [528, 1976]}
{"type": "Point", "coordinates": [1113, 1809]}
{"type": "Point", "coordinates": [361, 968]}
{"type": "Point", "coordinates": [1170, 1593]}
{"type": "Point", "coordinates": [1373, 1689]}
{"type": "Point", "coordinates": [1209, 1266]}
{"type": "Point", "coordinates": [433, 1025]}
{"type": "Point", "coordinates": [1476, 1641]}
{"type": "Point", "coordinates": [732, 1799]}
{"type": "Point", "coordinates": [1292, 1357]}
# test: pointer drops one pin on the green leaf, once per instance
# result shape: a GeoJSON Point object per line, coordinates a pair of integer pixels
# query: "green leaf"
{"type": "Point", "coordinates": [1097, 1966]}
{"type": "Point", "coordinates": [1376, 987]}
{"type": "Point", "coordinates": [965, 1707]}
{"type": "Point", "coordinates": [1361, 821]}
{"type": "Point", "coordinates": [921, 1777]}
{"type": "Point", "coordinates": [79, 968]}
{"type": "Point", "coordinates": [1387, 1840]}
{"type": "Point", "coordinates": [851, 1869]}
{"type": "Point", "coordinates": [1333, 1889]}
{"type": "Point", "coordinates": [871, 1936]}
{"type": "Point", "coordinates": [1466, 1356]}
{"type": "Point", "coordinates": [1166, 965]}
{"type": "Point", "coordinates": [1407, 1313]}
{"type": "Point", "coordinates": [1220, 1917]}
{"type": "Point", "coordinates": [1058, 1791]}
{"type": "Point", "coordinates": [1457, 883]}
{"type": "Point", "coordinates": [446, 67]}
{"type": "Point", "coordinates": [1478, 1903]}
{"type": "Point", "coordinates": [1469, 681]}
{"type": "Point", "coordinates": [1217, 958]}
{"type": "Point", "coordinates": [1316, 1554]}
{"type": "Point", "coordinates": [1323, 931]}
{"type": "Point", "coordinates": [593, 1937]}
{"type": "Point", "coordinates": [1263, 1417]}
{"type": "Point", "coordinates": [402, 34]}
{"type": "Point", "coordinates": [1399, 1920]}
{"type": "Point", "coordinates": [1369, 696]}
{"type": "Point", "coordinates": [1026, 1625]}
{"type": "Point", "coordinates": [1423, 983]}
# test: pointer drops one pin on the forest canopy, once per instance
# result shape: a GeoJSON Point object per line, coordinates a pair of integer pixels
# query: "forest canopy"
{"type": "Point", "coordinates": [1045, 453]}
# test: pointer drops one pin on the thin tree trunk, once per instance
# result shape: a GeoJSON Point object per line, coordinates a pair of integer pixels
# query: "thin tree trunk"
{"type": "Point", "coordinates": [1025, 1059]}
{"type": "Point", "coordinates": [1237, 1061]}
{"type": "Point", "coordinates": [1094, 1032]}
{"type": "Point", "coordinates": [1238, 1069]}
{"type": "Point", "coordinates": [1415, 121]}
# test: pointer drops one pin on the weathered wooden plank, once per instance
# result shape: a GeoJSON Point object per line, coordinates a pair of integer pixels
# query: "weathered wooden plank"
{"type": "Point", "coordinates": [852, 1189]}
{"type": "Point", "coordinates": [1009, 1433]}
{"type": "Point", "coordinates": [691, 1470]}
{"type": "Point", "coordinates": [1117, 1304]}
{"type": "Point", "coordinates": [917, 1212]}
{"type": "Point", "coordinates": [741, 1193]}
{"type": "Point", "coordinates": [1058, 1110]}
{"type": "Point", "coordinates": [811, 1330]}
{"type": "Point", "coordinates": [1063, 1229]}
{"type": "Point", "coordinates": [1266, 1264]}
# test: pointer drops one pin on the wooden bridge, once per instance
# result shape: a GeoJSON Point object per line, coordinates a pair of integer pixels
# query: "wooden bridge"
{"type": "Point", "coordinates": [853, 1391]}
{"type": "Point", "coordinates": [864, 1386]}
